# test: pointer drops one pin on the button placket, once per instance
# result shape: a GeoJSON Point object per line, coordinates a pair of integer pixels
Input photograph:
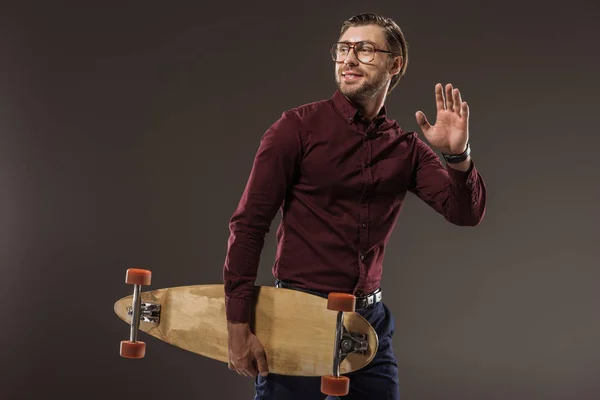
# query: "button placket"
{"type": "Point", "coordinates": [363, 217]}
{"type": "Point", "coordinates": [363, 212]}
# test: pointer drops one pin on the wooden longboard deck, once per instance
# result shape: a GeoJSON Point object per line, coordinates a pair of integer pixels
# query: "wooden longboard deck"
{"type": "Point", "coordinates": [295, 328]}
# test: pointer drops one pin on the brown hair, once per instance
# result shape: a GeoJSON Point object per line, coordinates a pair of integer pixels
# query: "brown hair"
{"type": "Point", "coordinates": [393, 34]}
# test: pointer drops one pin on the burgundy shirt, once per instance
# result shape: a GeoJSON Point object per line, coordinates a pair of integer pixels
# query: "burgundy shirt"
{"type": "Point", "coordinates": [340, 183]}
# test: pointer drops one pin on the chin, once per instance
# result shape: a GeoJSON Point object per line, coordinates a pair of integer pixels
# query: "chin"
{"type": "Point", "coordinates": [354, 93]}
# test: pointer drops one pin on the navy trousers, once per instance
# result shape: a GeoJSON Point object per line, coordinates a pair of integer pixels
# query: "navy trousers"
{"type": "Point", "coordinates": [376, 381]}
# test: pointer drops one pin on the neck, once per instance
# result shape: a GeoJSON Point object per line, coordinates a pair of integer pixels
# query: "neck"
{"type": "Point", "coordinates": [370, 107]}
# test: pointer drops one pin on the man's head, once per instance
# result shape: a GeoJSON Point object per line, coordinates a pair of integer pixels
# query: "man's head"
{"type": "Point", "coordinates": [371, 55]}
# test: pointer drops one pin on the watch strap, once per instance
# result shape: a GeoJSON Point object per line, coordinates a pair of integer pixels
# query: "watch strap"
{"type": "Point", "coordinates": [457, 158]}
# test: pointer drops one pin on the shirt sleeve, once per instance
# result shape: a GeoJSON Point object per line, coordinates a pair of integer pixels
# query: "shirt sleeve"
{"type": "Point", "coordinates": [459, 196]}
{"type": "Point", "coordinates": [273, 171]}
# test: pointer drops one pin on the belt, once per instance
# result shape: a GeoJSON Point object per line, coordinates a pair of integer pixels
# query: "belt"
{"type": "Point", "coordinates": [362, 302]}
{"type": "Point", "coordinates": [369, 299]}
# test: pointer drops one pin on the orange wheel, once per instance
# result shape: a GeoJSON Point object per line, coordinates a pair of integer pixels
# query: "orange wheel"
{"type": "Point", "coordinates": [137, 276]}
{"type": "Point", "coordinates": [332, 386]}
{"type": "Point", "coordinates": [341, 302]}
{"type": "Point", "coordinates": [131, 349]}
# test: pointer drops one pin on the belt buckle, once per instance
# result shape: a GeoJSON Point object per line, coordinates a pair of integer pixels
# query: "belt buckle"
{"type": "Point", "coordinates": [364, 302]}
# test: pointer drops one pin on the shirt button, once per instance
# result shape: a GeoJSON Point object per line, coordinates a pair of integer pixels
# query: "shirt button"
{"type": "Point", "coordinates": [469, 181]}
{"type": "Point", "coordinates": [362, 257]}
{"type": "Point", "coordinates": [364, 225]}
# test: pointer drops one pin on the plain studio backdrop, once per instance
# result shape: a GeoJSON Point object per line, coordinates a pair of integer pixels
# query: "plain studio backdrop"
{"type": "Point", "coordinates": [128, 133]}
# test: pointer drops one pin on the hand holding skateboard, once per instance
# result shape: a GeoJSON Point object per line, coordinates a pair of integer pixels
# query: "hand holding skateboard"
{"type": "Point", "coordinates": [246, 354]}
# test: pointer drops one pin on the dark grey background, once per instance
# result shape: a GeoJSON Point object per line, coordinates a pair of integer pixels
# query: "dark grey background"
{"type": "Point", "coordinates": [128, 133]}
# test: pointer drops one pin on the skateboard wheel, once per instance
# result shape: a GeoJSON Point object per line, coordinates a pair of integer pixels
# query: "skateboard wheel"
{"type": "Point", "coordinates": [332, 386]}
{"type": "Point", "coordinates": [137, 276]}
{"type": "Point", "coordinates": [131, 349]}
{"type": "Point", "coordinates": [341, 302]}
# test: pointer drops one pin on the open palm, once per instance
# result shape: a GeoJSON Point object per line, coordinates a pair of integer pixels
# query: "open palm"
{"type": "Point", "coordinates": [450, 133]}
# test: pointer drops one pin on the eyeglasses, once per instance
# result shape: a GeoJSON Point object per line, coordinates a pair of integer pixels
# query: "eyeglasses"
{"type": "Point", "coordinates": [364, 51]}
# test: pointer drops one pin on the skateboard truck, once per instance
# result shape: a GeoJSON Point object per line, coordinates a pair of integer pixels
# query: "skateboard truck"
{"type": "Point", "coordinates": [148, 312]}
{"type": "Point", "coordinates": [132, 348]}
{"type": "Point", "coordinates": [345, 343]}
{"type": "Point", "coordinates": [349, 342]}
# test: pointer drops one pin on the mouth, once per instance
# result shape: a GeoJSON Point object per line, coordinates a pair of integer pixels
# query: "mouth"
{"type": "Point", "coordinates": [350, 76]}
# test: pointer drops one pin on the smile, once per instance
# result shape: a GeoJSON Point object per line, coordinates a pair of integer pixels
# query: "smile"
{"type": "Point", "coordinates": [351, 76]}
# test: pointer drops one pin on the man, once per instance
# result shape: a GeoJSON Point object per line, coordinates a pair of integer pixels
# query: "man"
{"type": "Point", "coordinates": [339, 170]}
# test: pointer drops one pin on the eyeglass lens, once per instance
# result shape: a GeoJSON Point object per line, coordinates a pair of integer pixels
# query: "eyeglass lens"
{"type": "Point", "coordinates": [365, 52]}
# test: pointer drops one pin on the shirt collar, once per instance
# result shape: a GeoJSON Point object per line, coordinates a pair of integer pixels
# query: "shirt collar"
{"type": "Point", "coordinates": [351, 113]}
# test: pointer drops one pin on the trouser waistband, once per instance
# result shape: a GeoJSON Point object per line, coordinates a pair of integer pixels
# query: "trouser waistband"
{"type": "Point", "coordinates": [361, 302]}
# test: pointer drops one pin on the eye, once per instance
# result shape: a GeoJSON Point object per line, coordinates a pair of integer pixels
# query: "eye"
{"type": "Point", "coordinates": [367, 49]}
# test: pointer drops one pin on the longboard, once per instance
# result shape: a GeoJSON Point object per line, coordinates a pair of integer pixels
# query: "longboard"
{"type": "Point", "coordinates": [298, 331]}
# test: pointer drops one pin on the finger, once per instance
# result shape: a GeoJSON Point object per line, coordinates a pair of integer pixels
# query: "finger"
{"type": "Point", "coordinates": [457, 101]}
{"type": "Point", "coordinates": [241, 371]}
{"type": "Point", "coordinates": [449, 101]}
{"type": "Point", "coordinates": [261, 362]}
{"type": "Point", "coordinates": [465, 110]}
{"type": "Point", "coordinates": [422, 121]}
{"type": "Point", "coordinates": [439, 97]}
{"type": "Point", "coordinates": [251, 370]}
{"type": "Point", "coordinates": [233, 368]}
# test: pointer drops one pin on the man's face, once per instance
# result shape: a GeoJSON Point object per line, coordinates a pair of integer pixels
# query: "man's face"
{"type": "Point", "coordinates": [361, 81]}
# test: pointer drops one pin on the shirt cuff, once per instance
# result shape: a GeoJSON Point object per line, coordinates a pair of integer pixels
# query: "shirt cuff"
{"type": "Point", "coordinates": [238, 310]}
{"type": "Point", "coordinates": [464, 179]}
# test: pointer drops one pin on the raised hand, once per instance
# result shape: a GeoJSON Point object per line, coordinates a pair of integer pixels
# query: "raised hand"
{"type": "Point", "coordinates": [450, 133]}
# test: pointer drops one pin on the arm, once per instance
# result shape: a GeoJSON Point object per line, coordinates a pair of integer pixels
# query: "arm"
{"type": "Point", "coordinates": [273, 171]}
{"type": "Point", "coordinates": [457, 191]}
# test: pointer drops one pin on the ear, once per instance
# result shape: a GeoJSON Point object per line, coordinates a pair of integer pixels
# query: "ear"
{"type": "Point", "coordinates": [396, 65]}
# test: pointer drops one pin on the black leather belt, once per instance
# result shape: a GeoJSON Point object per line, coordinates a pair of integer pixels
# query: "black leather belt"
{"type": "Point", "coordinates": [361, 302]}
{"type": "Point", "coordinates": [368, 300]}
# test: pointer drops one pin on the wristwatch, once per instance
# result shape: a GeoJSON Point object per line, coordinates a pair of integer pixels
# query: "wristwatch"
{"type": "Point", "coordinates": [457, 158]}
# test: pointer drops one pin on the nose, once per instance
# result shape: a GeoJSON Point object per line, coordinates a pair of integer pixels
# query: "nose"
{"type": "Point", "coordinates": [351, 58]}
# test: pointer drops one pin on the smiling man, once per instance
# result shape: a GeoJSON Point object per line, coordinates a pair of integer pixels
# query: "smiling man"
{"type": "Point", "coordinates": [339, 170]}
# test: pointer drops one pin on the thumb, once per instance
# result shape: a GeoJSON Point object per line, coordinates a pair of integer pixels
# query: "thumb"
{"type": "Point", "coordinates": [261, 363]}
{"type": "Point", "coordinates": [422, 121]}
